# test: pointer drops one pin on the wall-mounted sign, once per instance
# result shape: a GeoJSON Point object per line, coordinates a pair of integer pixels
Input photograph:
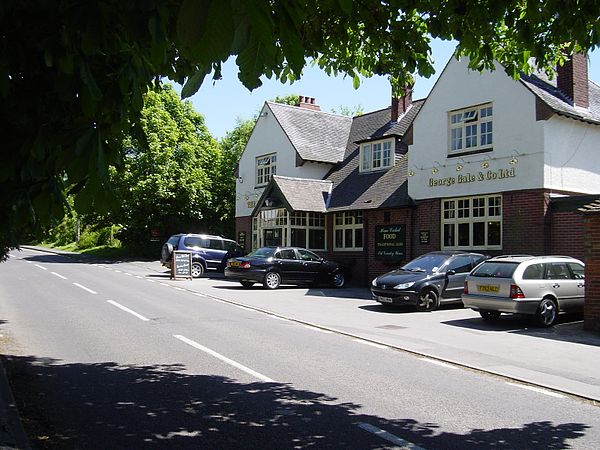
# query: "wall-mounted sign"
{"type": "Point", "coordinates": [390, 242]}
{"type": "Point", "coordinates": [424, 236]}
{"type": "Point", "coordinates": [489, 175]}
{"type": "Point", "coordinates": [241, 239]}
{"type": "Point", "coordinates": [181, 265]}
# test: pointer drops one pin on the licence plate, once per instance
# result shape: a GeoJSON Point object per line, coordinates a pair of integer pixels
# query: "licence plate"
{"type": "Point", "coordinates": [385, 299]}
{"type": "Point", "coordinates": [234, 264]}
{"type": "Point", "coordinates": [488, 288]}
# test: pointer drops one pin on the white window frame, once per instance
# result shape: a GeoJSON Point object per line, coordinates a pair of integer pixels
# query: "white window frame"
{"type": "Point", "coordinates": [465, 212]}
{"type": "Point", "coordinates": [307, 221]}
{"type": "Point", "coordinates": [377, 155]}
{"type": "Point", "coordinates": [266, 167]}
{"type": "Point", "coordinates": [471, 129]}
{"type": "Point", "coordinates": [348, 221]}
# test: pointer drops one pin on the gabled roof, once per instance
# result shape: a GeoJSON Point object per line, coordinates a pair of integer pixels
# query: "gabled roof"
{"type": "Point", "coordinates": [316, 135]}
{"type": "Point", "coordinates": [353, 190]}
{"type": "Point", "coordinates": [298, 194]}
{"type": "Point", "coordinates": [545, 89]}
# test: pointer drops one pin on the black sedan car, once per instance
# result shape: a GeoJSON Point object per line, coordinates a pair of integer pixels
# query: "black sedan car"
{"type": "Point", "coordinates": [427, 281]}
{"type": "Point", "coordinates": [273, 266]}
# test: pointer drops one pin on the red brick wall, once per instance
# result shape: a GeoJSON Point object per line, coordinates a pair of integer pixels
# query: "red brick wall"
{"type": "Point", "coordinates": [567, 234]}
{"type": "Point", "coordinates": [524, 222]}
{"type": "Point", "coordinates": [427, 219]}
{"type": "Point", "coordinates": [591, 319]}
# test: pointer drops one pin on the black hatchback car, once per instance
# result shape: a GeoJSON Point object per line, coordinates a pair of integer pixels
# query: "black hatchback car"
{"type": "Point", "coordinates": [273, 266]}
{"type": "Point", "coordinates": [427, 281]}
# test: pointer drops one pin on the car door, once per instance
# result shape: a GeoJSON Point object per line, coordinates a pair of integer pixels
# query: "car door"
{"type": "Point", "coordinates": [214, 253]}
{"type": "Point", "coordinates": [578, 274]}
{"type": "Point", "coordinates": [289, 266]}
{"type": "Point", "coordinates": [311, 264]}
{"type": "Point", "coordinates": [457, 270]}
{"type": "Point", "coordinates": [563, 285]}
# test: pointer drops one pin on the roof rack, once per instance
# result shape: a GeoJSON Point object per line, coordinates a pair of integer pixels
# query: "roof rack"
{"type": "Point", "coordinates": [513, 256]}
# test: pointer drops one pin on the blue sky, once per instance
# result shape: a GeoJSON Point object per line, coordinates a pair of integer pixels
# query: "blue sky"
{"type": "Point", "coordinates": [223, 102]}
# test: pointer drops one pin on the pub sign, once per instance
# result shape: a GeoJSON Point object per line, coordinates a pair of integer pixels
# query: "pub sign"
{"type": "Point", "coordinates": [390, 242]}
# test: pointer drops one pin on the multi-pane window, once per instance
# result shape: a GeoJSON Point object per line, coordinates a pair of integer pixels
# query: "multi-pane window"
{"type": "Point", "coordinates": [266, 167]}
{"type": "Point", "coordinates": [307, 229]}
{"type": "Point", "coordinates": [471, 128]}
{"type": "Point", "coordinates": [472, 223]}
{"type": "Point", "coordinates": [376, 156]}
{"type": "Point", "coordinates": [348, 230]}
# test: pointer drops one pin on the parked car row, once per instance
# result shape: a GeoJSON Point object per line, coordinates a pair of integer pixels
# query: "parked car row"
{"type": "Point", "coordinates": [536, 286]}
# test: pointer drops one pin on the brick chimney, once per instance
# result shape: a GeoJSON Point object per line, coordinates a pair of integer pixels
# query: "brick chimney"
{"type": "Point", "coordinates": [308, 103]}
{"type": "Point", "coordinates": [572, 80]}
{"type": "Point", "coordinates": [400, 105]}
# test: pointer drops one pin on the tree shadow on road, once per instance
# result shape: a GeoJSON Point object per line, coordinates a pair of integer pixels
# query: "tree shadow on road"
{"type": "Point", "coordinates": [106, 405]}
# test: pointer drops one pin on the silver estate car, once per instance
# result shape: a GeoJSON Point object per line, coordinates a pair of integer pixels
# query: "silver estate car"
{"type": "Point", "coordinates": [537, 286]}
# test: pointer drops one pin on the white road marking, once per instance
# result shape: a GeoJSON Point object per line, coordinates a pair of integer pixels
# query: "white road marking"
{"type": "Point", "coordinates": [27, 261]}
{"type": "Point", "coordinates": [117, 270]}
{"type": "Point", "coordinates": [438, 363]}
{"type": "Point", "coordinates": [536, 389]}
{"type": "Point", "coordinates": [151, 281]}
{"type": "Point", "coordinates": [108, 268]}
{"type": "Point", "coordinates": [179, 289]}
{"type": "Point", "coordinates": [198, 294]}
{"type": "Point", "coordinates": [84, 288]}
{"type": "Point", "coordinates": [128, 274]}
{"type": "Point", "coordinates": [138, 276]}
{"type": "Point", "coordinates": [403, 444]}
{"type": "Point", "coordinates": [226, 360]}
{"type": "Point", "coordinates": [41, 267]}
{"type": "Point", "coordinates": [242, 307]}
{"type": "Point", "coordinates": [165, 284]}
{"type": "Point", "coordinates": [310, 327]}
{"type": "Point", "coordinates": [124, 308]}
{"type": "Point", "coordinates": [372, 344]}
{"type": "Point", "coordinates": [278, 318]}
{"type": "Point", "coordinates": [58, 275]}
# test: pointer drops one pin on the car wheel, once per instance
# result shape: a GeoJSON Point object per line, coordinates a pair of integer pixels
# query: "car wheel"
{"type": "Point", "coordinates": [489, 316]}
{"type": "Point", "coordinates": [166, 252]}
{"type": "Point", "coordinates": [428, 300]}
{"type": "Point", "coordinates": [247, 284]}
{"type": "Point", "coordinates": [338, 280]}
{"type": "Point", "coordinates": [272, 280]}
{"type": "Point", "coordinates": [197, 270]}
{"type": "Point", "coordinates": [547, 313]}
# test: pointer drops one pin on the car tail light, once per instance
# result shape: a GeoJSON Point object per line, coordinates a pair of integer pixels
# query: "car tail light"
{"type": "Point", "coordinates": [245, 265]}
{"type": "Point", "coordinates": [466, 288]}
{"type": "Point", "coordinates": [516, 292]}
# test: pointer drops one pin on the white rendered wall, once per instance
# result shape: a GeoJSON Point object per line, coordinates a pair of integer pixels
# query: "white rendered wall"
{"type": "Point", "coordinates": [516, 133]}
{"type": "Point", "coordinates": [572, 155]}
{"type": "Point", "coordinates": [268, 137]}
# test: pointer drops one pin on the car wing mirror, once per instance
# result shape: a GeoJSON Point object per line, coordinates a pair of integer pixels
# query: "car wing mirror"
{"type": "Point", "coordinates": [451, 272]}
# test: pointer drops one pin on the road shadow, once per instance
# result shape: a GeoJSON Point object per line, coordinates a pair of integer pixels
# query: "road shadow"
{"type": "Point", "coordinates": [107, 405]}
{"type": "Point", "coordinates": [569, 328]}
{"type": "Point", "coordinates": [400, 309]}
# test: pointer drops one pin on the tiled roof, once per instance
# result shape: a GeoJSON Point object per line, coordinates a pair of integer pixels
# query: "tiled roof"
{"type": "Point", "coordinates": [369, 190]}
{"type": "Point", "coordinates": [546, 90]}
{"type": "Point", "coordinates": [304, 194]}
{"type": "Point", "coordinates": [316, 135]}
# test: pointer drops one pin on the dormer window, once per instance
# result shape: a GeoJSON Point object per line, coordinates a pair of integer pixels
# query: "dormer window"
{"type": "Point", "coordinates": [470, 129]}
{"type": "Point", "coordinates": [376, 155]}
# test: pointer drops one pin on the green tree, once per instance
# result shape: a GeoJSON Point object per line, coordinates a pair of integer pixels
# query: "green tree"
{"type": "Point", "coordinates": [169, 171]}
{"type": "Point", "coordinates": [73, 74]}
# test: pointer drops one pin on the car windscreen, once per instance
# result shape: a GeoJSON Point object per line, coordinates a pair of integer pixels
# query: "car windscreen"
{"type": "Point", "coordinates": [264, 252]}
{"type": "Point", "coordinates": [495, 269]}
{"type": "Point", "coordinates": [429, 263]}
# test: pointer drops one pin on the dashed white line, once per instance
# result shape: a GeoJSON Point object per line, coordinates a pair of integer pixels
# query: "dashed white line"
{"type": "Point", "coordinates": [58, 275]}
{"type": "Point", "coordinates": [128, 274]}
{"type": "Point", "coordinates": [226, 360]}
{"type": "Point", "coordinates": [179, 289]}
{"type": "Point", "coordinates": [372, 344]}
{"type": "Point", "coordinates": [279, 318]}
{"type": "Point", "coordinates": [165, 284]}
{"type": "Point", "coordinates": [85, 288]}
{"type": "Point", "coordinates": [403, 444]}
{"type": "Point", "coordinates": [198, 294]}
{"type": "Point", "coordinates": [138, 276]}
{"type": "Point", "coordinates": [126, 309]}
{"type": "Point", "coordinates": [151, 281]}
{"type": "Point", "coordinates": [27, 261]}
{"type": "Point", "coordinates": [117, 270]}
{"type": "Point", "coordinates": [439, 363]}
{"type": "Point", "coordinates": [536, 389]}
{"type": "Point", "coordinates": [41, 267]}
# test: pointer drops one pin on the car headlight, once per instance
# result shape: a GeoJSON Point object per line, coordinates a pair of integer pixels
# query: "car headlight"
{"type": "Point", "coordinates": [404, 285]}
{"type": "Point", "coordinates": [374, 282]}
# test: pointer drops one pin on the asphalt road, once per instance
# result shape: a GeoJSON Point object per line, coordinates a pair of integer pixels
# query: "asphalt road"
{"type": "Point", "coordinates": [119, 356]}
